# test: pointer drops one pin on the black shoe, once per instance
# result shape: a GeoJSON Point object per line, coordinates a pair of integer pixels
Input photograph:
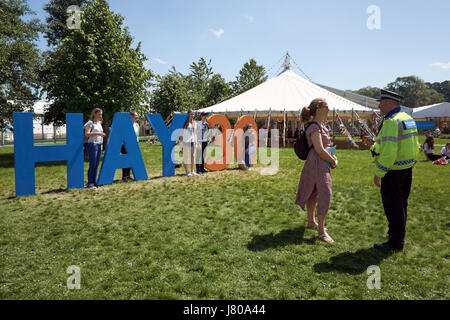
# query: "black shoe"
{"type": "Point", "coordinates": [386, 246]}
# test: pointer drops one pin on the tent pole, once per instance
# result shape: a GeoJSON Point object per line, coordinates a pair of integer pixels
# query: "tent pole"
{"type": "Point", "coordinates": [284, 128]}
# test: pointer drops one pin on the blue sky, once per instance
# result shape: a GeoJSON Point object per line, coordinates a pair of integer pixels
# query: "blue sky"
{"type": "Point", "coordinates": [328, 39]}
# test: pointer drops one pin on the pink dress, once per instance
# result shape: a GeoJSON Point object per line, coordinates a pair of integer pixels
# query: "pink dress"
{"type": "Point", "coordinates": [315, 180]}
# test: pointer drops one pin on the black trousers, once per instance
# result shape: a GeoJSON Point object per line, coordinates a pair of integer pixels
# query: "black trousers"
{"type": "Point", "coordinates": [395, 189]}
{"type": "Point", "coordinates": [433, 157]}
{"type": "Point", "coordinates": [126, 172]}
{"type": "Point", "coordinates": [200, 162]}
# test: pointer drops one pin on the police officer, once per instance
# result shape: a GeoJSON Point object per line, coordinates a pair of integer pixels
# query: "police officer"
{"type": "Point", "coordinates": [395, 153]}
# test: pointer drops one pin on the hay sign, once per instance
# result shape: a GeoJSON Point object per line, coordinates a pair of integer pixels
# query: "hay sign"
{"type": "Point", "coordinates": [26, 154]}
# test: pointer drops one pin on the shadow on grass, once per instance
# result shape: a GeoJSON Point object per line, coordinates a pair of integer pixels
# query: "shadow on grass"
{"type": "Point", "coordinates": [353, 263]}
{"type": "Point", "coordinates": [6, 160]}
{"type": "Point", "coordinates": [284, 238]}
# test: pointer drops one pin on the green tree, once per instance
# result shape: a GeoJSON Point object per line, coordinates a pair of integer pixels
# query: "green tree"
{"type": "Point", "coordinates": [56, 29]}
{"type": "Point", "coordinates": [371, 92]}
{"type": "Point", "coordinates": [218, 90]}
{"type": "Point", "coordinates": [199, 89]}
{"type": "Point", "coordinates": [96, 66]}
{"type": "Point", "coordinates": [172, 93]}
{"type": "Point", "coordinates": [415, 91]}
{"type": "Point", "coordinates": [19, 59]}
{"type": "Point", "coordinates": [250, 76]}
{"type": "Point", "coordinates": [206, 86]}
{"type": "Point", "coordinates": [442, 88]}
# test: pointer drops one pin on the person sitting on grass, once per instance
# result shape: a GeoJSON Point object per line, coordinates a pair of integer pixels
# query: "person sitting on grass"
{"type": "Point", "coordinates": [445, 152]}
{"type": "Point", "coordinates": [428, 149]}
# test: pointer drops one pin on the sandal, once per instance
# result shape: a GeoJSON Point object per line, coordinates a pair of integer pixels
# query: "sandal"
{"type": "Point", "coordinates": [325, 235]}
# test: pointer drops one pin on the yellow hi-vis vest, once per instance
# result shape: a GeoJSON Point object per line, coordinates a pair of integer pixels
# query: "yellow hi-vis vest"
{"type": "Point", "coordinates": [397, 145]}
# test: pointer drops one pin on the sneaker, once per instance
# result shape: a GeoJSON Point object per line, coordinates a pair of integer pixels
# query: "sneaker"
{"type": "Point", "coordinates": [195, 173]}
{"type": "Point", "coordinates": [91, 186]}
{"type": "Point", "coordinates": [189, 174]}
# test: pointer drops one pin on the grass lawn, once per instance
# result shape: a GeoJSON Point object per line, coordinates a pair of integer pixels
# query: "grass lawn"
{"type": "Point", "coordinates": [224, 235]}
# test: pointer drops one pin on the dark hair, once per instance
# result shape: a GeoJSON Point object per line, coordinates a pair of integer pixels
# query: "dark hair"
{"type": "Point", "coordinates": [187, 120]}
{"type": "Point", "coordinates": [430, 142]}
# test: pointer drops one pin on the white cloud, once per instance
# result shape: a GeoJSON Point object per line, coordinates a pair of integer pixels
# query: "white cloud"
{"type": "Point", "coordinates": [218, 33]}
{"type": "Point", "coordinates": [250, 19]}
{"type": "Point", "coordinates": [441, 65]}
{"type": "Point", "coordinates": [160, 61]}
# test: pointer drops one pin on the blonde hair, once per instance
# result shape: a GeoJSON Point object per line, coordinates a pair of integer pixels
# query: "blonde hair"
{"type": "Point", "coordinates": [94, 112]}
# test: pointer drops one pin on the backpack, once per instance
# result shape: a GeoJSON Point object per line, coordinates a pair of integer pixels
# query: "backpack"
{"type": "Point", "coordinates": [301, 146]}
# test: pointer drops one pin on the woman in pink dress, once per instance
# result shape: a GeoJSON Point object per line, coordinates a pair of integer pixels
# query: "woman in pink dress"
{"type": "Point", "coordinates": [315, 181]}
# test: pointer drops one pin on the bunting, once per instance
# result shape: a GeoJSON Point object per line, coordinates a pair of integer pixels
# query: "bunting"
{"type": "Point", "coordinates": [364, 127]}
{"type": "Point", "coordinates": [344, 130]}
{"type": "Point", "coordinates": [376, 120]}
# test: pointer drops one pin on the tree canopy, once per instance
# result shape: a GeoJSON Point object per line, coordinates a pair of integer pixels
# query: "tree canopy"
{"type": "Point", "coordinates": [96, 66]}
{"type": "Point", "coordinates": [250, 76]}
{"type": "Point", "coordinates": [415, 91]}
{"type": "Point", "coordinates": [56, 28]}
{"type": "Point", "coordinates": [19, 59]}
{"type": "Point", "coordinates": [198, 89]}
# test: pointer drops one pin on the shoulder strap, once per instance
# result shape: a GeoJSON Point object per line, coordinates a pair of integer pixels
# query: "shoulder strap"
{"type": "Point", "coordinates": [313, 122]}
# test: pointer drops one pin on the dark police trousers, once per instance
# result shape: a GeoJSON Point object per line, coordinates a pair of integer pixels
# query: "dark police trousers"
{"type": "Point", "coordinates": [395, 189]}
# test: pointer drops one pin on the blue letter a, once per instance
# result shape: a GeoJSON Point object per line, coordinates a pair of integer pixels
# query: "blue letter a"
{"type": "Point", "coordinates": [26, 154]}
{"type": "Point", "coordinates": [165, 136]}
{"type": "Point", "coordinates": [122, 133]}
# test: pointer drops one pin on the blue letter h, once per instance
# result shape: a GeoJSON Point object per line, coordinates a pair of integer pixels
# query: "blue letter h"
{"type": "Point", "coordinates": [26, 154]}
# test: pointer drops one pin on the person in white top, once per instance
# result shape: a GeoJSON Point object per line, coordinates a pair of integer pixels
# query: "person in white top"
{"type": "Point", "coordinates": [93, 130]}
{"type": "Point", "coordinates": [189, 141]}
{"type": "Point", "coordinates": [126, 172]}
{"type": "Point", "coordinates": [428, 148]}
{"type": "Point", "coordinates": [445, 151]}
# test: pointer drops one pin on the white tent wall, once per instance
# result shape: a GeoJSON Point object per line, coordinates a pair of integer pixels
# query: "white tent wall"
{"type": "Point", "coordinates": [438, 113]}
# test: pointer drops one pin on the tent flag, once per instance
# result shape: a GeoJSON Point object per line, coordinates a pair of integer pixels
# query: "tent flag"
{"type": "Point", "coordinates": [376, 119]}
{"type": "Point", "coordinates": [344, 130]}
{"type": "Point", "coordinates": [364, 127]}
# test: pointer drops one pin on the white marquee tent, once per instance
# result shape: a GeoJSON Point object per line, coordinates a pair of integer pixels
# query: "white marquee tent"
{"type": "Point", "coordinates": [287, 91]}
{"type": "Point", "coordinates": [439, 110]}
